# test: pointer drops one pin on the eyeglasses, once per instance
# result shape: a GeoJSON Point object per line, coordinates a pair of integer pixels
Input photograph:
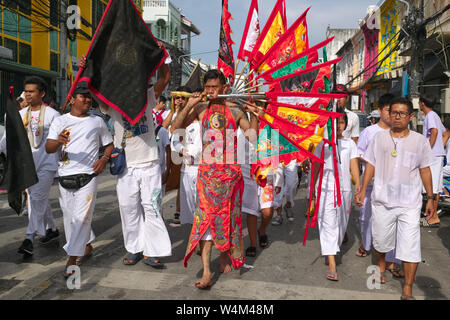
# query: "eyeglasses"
{"type": "Point", "coordinates": [176, 98]}
{"type": "Point", "coordinates": [400, 114]}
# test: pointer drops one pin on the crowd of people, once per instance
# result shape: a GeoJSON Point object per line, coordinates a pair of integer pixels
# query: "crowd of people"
{"type": "Point", "coordinates": [177, 148]}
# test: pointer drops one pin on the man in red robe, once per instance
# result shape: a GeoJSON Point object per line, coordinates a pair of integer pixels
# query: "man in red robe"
{"type": "Point", "coordinates": [219, 183]}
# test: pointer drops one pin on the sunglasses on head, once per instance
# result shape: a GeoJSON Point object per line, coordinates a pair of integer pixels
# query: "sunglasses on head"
{"type": "Point", "coordinates": [184, 98]}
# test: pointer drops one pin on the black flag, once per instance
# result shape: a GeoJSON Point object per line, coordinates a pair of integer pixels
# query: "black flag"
{"type": "Point", "coordinates": [195, 80]}
{"type": "Point", "coordinates": [20, 172]}
{"type": "Point", "coordinates": [122, 59]}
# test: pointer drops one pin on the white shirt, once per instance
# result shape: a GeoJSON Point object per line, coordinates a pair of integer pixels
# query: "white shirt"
{"type": "Point", "coordinates": [141, 147]}
{"type": "Point", "coordinates": [397, 182]}
{"type": "Point", "coordinates": [42, 160]}
{"type": "Point", "coordinates": [163, 141]}
{"type": "Point", "coordinates": [87, 135]}
{"type": "Point", "coordinates": [346, 151]}
{"type": "Point", "coordinates": [352, 130]}
{"type": "Point", "coordinates": [432, 120]}
{"type": "Point", "coordinates": [192, 144]}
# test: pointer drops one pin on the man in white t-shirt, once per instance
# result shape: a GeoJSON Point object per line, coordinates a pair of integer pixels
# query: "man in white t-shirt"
{"type": "Point", "coordinates": [77, 138]}
{"type": "Point", "coordinates": [433, 130]}
{"type": "Point", "coordinates": [399, 160]}
{"type": "Point", "coordinates": [190, 150]}
{"type": "Point", "coordinates": [365, 217]}
{"type": "Point", "coordinates": [163, 141]}
{"type": "Point", "coordinates": [352, 130]}
{"type": "Point", "coordinates": [37, 119]}
{"type": "Point", "coordinates": [139, 186]}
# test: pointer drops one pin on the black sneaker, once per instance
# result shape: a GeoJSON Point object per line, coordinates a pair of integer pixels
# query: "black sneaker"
{"type": "Point", "coordinates": [50, 235]}
{"type": "Point", "coordinates": [26, 247]}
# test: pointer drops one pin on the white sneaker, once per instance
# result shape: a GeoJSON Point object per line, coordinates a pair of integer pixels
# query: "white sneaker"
{"type": "Point", "coordinates": [289, 214]}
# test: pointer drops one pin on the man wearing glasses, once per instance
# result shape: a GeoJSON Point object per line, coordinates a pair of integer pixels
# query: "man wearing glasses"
{"type": "Point", "coordinates": [399, 160]}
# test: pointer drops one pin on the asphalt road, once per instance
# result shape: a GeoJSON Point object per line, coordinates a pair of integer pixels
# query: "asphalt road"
{"type": "Point", "coordinates": [285, 270]}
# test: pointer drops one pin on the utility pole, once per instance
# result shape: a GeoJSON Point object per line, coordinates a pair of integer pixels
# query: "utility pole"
{"type": "Point", "coordinates": [416, 33]}
{"type": "Point", "coordinates": [62, 80]}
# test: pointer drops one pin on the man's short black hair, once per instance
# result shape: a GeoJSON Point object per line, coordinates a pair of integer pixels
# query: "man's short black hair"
{"type": "Point", "coordinates": [38, 81]}
{"type": "Point", "coordinates": [214, 74]}
{"type": "Point", "coordinates": [402, 100]}
{"type": "Point", "coordinates": [162, 99]}
{"type": "Point", "coordinates": [184, 89]}
{"type": "Point", "coordinates": [385, 100]}
{"type": "Point", "coordinates": [447, 122]}
{"type": "Point", "coordinates": [341, 110]}
{"type": "Point", "coordinates": [427, 100]}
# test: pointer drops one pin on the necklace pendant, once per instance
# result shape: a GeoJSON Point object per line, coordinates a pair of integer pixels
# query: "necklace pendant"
{"type": "Point", "coordinates": [394, 153]}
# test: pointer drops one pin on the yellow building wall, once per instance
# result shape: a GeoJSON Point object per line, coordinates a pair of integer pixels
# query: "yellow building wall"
{"type": "Point", "coordinates": [40, 41]}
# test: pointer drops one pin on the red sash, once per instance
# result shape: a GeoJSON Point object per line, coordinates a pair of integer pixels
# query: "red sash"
{"type": "Point", "coordinates": [220, 187]}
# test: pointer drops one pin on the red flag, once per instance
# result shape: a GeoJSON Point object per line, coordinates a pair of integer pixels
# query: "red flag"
{"type": "Point", "coordinates": [273, 30]}
{"type": "Point", "coordinates": [289, 45]}
{"type": "Point", "coordinates": [251, 32]}
{"type": "Point", "coordinates": [226, 59]}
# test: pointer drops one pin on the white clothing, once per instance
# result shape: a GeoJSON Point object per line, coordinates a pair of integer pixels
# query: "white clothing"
{"type": "Point", "coordinates": [365, 220]}
{"type": "Point", "coordinates": [192, 144]}
{"type": "Point", "coordinates": [366, 137]}
{"type": "Point", "coordinates": [352, 130]}
{"type": "Point", "coordinates": [39, 210]}
{"type": "Point", "coordinates": [397, 228]}
{"type": "Point", "coordinates": [267, 196]}
{"type": "Point", "coordinates": [42, 160]}
{"type": "Point", "coordinates": [333, 221]}
{"type": "Point", "coordinates": [250, 194]}
{"type": "Point", "coordinates": [437, 175]}
{"type": "Point", "coordinates": [188, 195]}
{"type": "Point", "coordinates": [141, 147]}
{"type": "Point", "coordinates": [78, 206]}
{"type": "Point", "coordinates": [446, 169]}
{"type": "Point", "coordinates": [397, 179]}
{"type": "Point", "coordinates": [139, 195]}
{"type": "Point", "coordinates": [163, 141]}
{"type": "Point", "coordinates": [432, 121]}
{"type": "Point", "coordinates": [290, 182]}
{"type": "Point", "coordinates": [87, 135]}
{"type": "Point", "coordinates": [346, 151]}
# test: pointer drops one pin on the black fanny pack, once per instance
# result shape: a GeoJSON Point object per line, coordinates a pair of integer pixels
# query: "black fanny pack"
{"type": "Point", "coordinates": [76, 181]}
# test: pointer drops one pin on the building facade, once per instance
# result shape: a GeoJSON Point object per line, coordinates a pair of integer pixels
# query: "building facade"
{"type": "Point", "coordinates": [30, 40]}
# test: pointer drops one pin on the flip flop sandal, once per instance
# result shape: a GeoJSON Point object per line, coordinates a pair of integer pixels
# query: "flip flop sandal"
{"type": "Point", "coordinates": [66, 274]}
{"type": "Point", "coordinates": [263, 239]}
{"type": "Point", "coordinates": [250, 252]}
{"type": "Point", "coordinates": [79, 261]}
{"type": "Point", "coordinates": [153, 262]}
{"type": "Point", "coordinates": [404, 297]}
{"type": "Point", "coordinates": [133, 257]}
{"type": "Point", "coordinates": [332, 276]}
{"type": "Point", "coordinates": [396, 272]}
{"type": "Point", "coordinates": [424, 223]}
{"type": "Point", "coordinates": [362, 253]}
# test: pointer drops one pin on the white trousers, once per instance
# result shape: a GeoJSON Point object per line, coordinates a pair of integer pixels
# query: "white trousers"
{"type": "Point", "coordinates": [39, 211]}
{"type": "Point", "coordinates": [139, 195]}
{"type": "Point", "coordinates": [290, 182]}
{"type": "Point", "coordinates": [397, 228]}
{"type": "Point", "coordinates": [333, 221]}
{"type": "Point", "coordinates": [437, 175]}
{"type": "Point", "coordinates": [250, 196]}
{"type": "Point", "coordinates": [78, 209]}
{"type": "Point", "coordinates": [188, 195]}
{"type": "Point", "coordinates": [365, 222]}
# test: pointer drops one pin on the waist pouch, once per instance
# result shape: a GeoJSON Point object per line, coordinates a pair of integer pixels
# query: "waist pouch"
{"type": "Point", "coordinates": [117, 161]}
{"type": "Point", "coordinates": [76, 181]}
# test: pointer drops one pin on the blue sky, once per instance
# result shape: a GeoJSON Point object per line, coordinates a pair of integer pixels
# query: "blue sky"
{"type": "Point", "coordinates": [205, 14]}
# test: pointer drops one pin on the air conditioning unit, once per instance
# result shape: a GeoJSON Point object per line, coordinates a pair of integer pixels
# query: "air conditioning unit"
{"type": "Point", "coordinates": [445, 101]}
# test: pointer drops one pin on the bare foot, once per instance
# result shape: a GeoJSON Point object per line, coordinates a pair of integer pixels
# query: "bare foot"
{"type": "Point", "coordinates": [224, 265]}
{"type": "Point", "coordinates": [204, 283]}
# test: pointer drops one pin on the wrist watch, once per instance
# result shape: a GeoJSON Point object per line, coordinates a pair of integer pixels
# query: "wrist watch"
{"type": "Point", "coordinates": [433, 197]}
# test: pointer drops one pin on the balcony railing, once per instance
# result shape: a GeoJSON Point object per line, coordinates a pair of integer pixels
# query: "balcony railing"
{"type": "Point", "coordinates": [155, 3]}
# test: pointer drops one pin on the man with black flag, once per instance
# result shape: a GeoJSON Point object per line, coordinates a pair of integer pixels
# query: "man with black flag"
{"type": "Point", "coordinates": [37, 119]}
